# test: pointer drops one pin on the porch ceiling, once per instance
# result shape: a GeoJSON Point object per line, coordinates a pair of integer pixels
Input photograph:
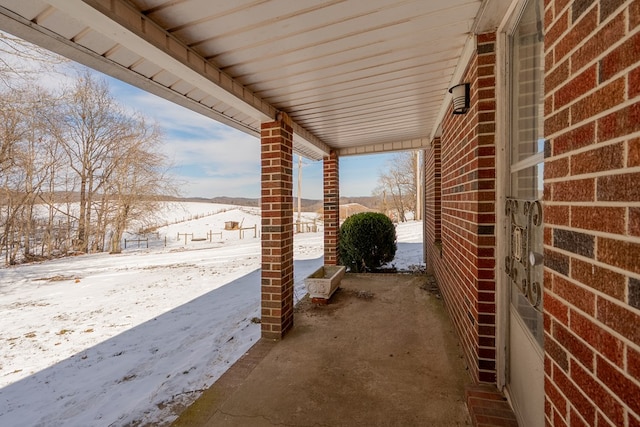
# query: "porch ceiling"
{"type": "Point", "coordinates": [355, 76]}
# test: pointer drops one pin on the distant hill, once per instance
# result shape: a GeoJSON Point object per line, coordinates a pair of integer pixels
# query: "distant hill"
{"type": "Point", "coordinates": [238, 201]}
{"type": "Point", "coordinates": [369, 202]}
{"type": "Point", "coordinates": [308, 205]}
{"type": "Point", "coordinates": [348, 209]}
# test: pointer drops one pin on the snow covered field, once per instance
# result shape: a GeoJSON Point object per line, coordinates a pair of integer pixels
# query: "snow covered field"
{"type": "Point", "coordinates": [114, 340]}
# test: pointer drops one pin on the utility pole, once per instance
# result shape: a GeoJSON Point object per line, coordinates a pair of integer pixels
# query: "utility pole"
{"type": "Point", "coordinates": [299, 191]}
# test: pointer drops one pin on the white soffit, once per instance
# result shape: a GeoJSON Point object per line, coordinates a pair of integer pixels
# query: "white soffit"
{"type": "Point", "coordinates": [355, 76]}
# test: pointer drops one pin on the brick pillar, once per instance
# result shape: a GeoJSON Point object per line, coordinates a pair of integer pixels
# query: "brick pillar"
{"type": "Point", "coordinates": [331, 179]}
{"type": "Point", "coordinates": [433, 205]}
{"type": "Point", "coordinates": [277, 228]}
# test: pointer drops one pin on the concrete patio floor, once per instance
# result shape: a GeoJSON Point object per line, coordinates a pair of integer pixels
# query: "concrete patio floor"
{"type": "Point", "coordinates": [382, 353]}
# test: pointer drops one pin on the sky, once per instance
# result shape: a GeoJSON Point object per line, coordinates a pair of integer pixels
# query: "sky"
{"type": "Point", "coordinates": [213, 159]}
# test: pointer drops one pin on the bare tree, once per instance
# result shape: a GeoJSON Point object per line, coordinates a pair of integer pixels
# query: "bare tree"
{"type": "Point", "coordinates": [397, 185]}
{"type": "Point", "coordinates": [93, 125]}
{"type": "Point", "coordinates": [21, 60]}
{"type": "Point", "coordinates": [138, 183]}
{"type": "Point", "coordinates": [12, 132]}
{"type": "Point", "coordinates": [11, 129]}
{"type": "Point", "coordinates": [24, 165]}
{"type": "Point", "coordinates": [93, 165]}
{"type": "Point", "coordinates": [115, 156]}
{"type": "Point", "coordinates": [55, 185]}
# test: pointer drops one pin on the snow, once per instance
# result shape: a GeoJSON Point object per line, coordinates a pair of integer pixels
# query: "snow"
{"type": "Point", "coordinates": [128, 339]}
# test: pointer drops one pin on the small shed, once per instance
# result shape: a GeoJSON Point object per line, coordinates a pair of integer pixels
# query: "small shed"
{"type": "Point", "coordinates": [231, 225]}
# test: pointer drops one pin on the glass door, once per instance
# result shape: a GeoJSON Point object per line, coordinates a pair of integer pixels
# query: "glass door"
{"type": "Point", "coordinates": [523, 210]}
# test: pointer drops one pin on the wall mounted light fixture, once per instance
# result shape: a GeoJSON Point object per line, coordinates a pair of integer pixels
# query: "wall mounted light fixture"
{"type": "Point", "coordinates": [460, 98]}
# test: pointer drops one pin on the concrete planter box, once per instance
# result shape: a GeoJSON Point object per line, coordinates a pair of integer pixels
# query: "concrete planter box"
{"type": "Point", "coordinates": [324, 281]}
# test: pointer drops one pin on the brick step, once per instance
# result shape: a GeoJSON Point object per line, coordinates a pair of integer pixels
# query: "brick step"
{"type": "Point", "coordinates": [488, 407]}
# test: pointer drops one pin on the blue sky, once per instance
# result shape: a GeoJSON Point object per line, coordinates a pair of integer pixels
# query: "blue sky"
{"type": "Point", "coordinates": [212, 159]}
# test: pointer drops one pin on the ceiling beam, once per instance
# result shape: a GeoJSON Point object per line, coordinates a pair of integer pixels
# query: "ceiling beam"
{"type": "Point", "coordinates": [144, 37]}
{"type": "Point", "coordinates": [40, 36]}
{"type": "Point", "coordinates": [385, 147]}
{"type": "Point", "coordinates": [125, 25]}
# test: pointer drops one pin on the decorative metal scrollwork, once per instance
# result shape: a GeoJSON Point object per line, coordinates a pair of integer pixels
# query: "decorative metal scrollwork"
{"type": "Point", "coordinates": [524, 217]}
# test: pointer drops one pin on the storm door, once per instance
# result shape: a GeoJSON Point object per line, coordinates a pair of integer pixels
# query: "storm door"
{"type": "Point", "coordinates": [523, 212]}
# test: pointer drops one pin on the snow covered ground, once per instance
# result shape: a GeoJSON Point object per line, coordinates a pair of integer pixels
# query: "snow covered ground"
{"type": "Point", "coordinates": [127, 339]}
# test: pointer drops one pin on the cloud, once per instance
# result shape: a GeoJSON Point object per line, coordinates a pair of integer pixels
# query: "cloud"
{"type": "Point", "coordinates": [232, 155]}
{"type": "Point", "coordinates": [216, 160]}
{"type": "Point", "coordinates": [236, 187]}
{"type": "Point", "coordinates": [213, 159]}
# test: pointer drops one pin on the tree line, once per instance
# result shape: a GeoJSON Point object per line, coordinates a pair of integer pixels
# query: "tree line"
{"type": "Point", "coordinates": [76, 167]}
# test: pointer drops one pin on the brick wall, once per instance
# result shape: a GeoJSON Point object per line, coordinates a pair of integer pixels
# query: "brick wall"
{"type": "Point", "coordinates": [465, 264]}
{"type": "Point", "coordinates": [433, 207]}
{"type": "Point", "coordinates": [277, 228]}
{"type": "Point", "coordinates": [331, 212]}
{"type": "Point", "coordinates": [592, 212]}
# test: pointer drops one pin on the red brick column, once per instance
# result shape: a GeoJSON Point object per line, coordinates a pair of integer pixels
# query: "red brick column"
{"type": "Point", "coordinates": [331, 179]}
{"type": "Point", "coordinates": [432, 222]}
{"type": "Point", "coordinates": [277, 228]}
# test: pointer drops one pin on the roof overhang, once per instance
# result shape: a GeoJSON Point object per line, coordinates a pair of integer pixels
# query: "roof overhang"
{"type": "Point", "coordinates": [355, 77]}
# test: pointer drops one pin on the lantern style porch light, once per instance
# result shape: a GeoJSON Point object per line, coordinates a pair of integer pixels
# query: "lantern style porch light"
{"type": "Point", "coordinates": [460, 94]}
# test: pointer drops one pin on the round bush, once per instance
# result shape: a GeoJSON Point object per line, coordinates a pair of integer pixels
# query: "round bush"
{"type": "Point", "coordinates": [367, 241]}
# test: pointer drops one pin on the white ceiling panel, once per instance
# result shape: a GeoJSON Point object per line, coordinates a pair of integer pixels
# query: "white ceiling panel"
{"type": "Point", "coordinates": [356, 76]}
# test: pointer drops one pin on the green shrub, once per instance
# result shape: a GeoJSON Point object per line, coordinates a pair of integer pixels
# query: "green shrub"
{"type": "Point", "coordinates": [367, 241]}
